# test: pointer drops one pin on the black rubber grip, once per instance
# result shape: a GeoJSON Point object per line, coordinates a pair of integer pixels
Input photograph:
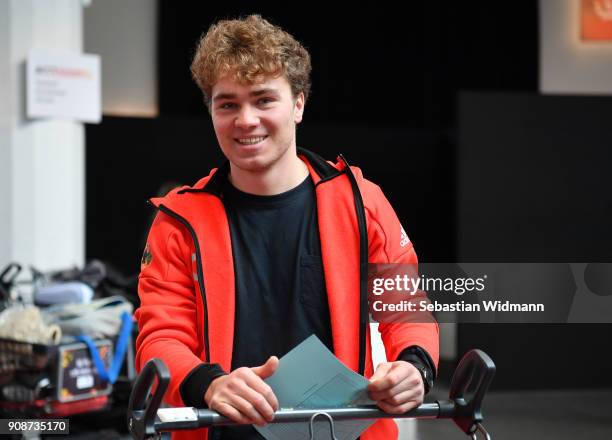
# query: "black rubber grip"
{"type": "Point", "coordinates": [143, 406]}
{"type": "Point", "coordinates": [475, 371]}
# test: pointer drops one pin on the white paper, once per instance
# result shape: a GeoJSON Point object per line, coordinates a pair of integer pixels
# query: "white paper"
{"type": "Point", "coordinates": [310, 376]}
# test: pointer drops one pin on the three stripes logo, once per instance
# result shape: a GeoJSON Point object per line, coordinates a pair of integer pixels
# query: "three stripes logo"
{"type": "Point", "coordinates": [404, 240]}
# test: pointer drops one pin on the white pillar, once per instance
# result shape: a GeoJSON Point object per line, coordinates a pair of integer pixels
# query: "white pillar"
{"type": "Point", "coordinates": [42, 167]}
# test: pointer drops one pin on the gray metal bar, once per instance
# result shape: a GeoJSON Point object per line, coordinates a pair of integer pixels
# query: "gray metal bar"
{"type": "Point", "coordinates": [205, 418]}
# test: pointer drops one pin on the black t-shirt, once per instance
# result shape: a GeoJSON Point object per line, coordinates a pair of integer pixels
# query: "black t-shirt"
{"type": "Point", "coordinates": [280, 288]}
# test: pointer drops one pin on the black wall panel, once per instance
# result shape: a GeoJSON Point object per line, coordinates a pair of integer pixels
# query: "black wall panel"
{"type": "Point", "coordinates": [371, 64]}
{"type": "Point", "coordinates": [533, 185]}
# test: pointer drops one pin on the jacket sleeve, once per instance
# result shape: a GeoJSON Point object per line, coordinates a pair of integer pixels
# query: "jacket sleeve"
{"type": "Point", "coordinates": [389, 243]}
{"type": "Point", "coordinates": [167, 316]}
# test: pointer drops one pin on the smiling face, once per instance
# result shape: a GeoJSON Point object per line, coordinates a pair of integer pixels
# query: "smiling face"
{"type": "Point", "coordinates": [255, 123]}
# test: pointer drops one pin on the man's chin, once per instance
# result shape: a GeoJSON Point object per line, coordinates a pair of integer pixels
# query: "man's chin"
{"type": "Point", "coordinates": [252, 164]}
{"type": "Point", "coordinates": [257, 161]}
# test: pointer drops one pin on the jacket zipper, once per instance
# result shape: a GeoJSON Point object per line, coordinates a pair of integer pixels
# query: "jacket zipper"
{"type": "Point", "coordinates": [196, 244]}
{"type": "Point", "coordinates": [363, 265]}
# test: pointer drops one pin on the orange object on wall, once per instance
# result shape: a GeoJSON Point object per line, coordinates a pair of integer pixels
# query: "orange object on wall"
{"type": "Point", "coordinates": [596, 20]}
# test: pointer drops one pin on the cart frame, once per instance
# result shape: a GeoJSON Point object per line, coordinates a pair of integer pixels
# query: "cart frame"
{"type": "Point", "coordinates": [474, 372]}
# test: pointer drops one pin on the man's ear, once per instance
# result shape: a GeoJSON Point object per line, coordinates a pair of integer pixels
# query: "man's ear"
{"type": "Point", "coordinates": [299, 108]}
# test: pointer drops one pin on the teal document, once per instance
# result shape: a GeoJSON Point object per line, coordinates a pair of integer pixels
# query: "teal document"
{"type": "Point", "coordinates": [310, 376]}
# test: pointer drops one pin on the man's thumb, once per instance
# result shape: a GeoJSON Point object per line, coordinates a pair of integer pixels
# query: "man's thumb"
{"type": "Point", "coordinates": [266, 370]}
{"type": "Point", "coordinates": [380, 372]}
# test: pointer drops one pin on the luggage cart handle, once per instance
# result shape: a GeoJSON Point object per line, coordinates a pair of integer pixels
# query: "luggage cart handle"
{"type": "Point", "coordinates": [143, 406]}
{"type": "Point", "coordinates": [475, 372]}
{"type": "Point", "coordinates": [475, 368]}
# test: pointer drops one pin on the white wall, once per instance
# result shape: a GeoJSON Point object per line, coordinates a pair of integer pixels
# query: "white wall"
{"type": "Point", "coordinates": [567, 64]}
{"type": "Point", "coordinates": [6, 106]}
{"type": "Point", "coordinates": [124, 33]}
{"type": "Point", "coordinates": [42, 206]}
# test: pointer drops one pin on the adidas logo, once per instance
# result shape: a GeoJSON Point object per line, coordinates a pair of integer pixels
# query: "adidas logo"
{"type": "Point", "coordinates": [404, 240]}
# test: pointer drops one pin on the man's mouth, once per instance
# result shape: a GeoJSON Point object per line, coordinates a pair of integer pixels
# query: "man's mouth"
{"type": "Point", "coordinates": [251, 140]}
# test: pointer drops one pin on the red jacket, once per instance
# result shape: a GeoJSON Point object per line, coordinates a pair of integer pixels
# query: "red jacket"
{"type": "Point", "coordinates": [186, 283]}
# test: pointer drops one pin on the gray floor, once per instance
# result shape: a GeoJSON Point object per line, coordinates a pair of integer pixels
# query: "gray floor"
{"type": "Point", "coordinates": [542, 415]}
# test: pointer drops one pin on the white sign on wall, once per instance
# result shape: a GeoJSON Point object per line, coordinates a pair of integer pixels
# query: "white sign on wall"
{"type": "Point", "coordinates": [63, 86]}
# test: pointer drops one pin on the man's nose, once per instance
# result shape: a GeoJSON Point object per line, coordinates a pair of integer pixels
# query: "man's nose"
{"type": "Point", "coordinates": [247, 117]}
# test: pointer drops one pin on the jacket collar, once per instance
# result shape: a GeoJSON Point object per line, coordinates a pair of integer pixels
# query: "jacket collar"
{"type": "Point", "coordinates": [319, 168]}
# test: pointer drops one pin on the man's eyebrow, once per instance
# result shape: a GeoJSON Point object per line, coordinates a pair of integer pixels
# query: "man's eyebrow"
{"type": "Point", "coordinates": [264, 92]}
{"type": "Point", "coordinates": [259, 92]}
{"type": "Point", "coordinates": [224, 96]}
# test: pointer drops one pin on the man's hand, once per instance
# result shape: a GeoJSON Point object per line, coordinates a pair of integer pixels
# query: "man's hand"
{"type": "Point", "coordinates": [396, 387]}
{"type": "Point", "coordinates": [243, 396]}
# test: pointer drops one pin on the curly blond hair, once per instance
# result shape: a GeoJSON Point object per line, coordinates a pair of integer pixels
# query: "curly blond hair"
{"type": "Point", "coordinates": [249, 48]}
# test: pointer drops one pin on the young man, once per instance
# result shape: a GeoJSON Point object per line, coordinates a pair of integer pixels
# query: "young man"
{"type": "Point", "coordinates": [270, 248]}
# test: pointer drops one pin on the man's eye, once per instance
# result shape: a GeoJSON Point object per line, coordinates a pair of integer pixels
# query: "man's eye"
{"type": "Point", "coordinates": [264, 101]}
{"type": "Point", "coordinates": [227, 105]}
